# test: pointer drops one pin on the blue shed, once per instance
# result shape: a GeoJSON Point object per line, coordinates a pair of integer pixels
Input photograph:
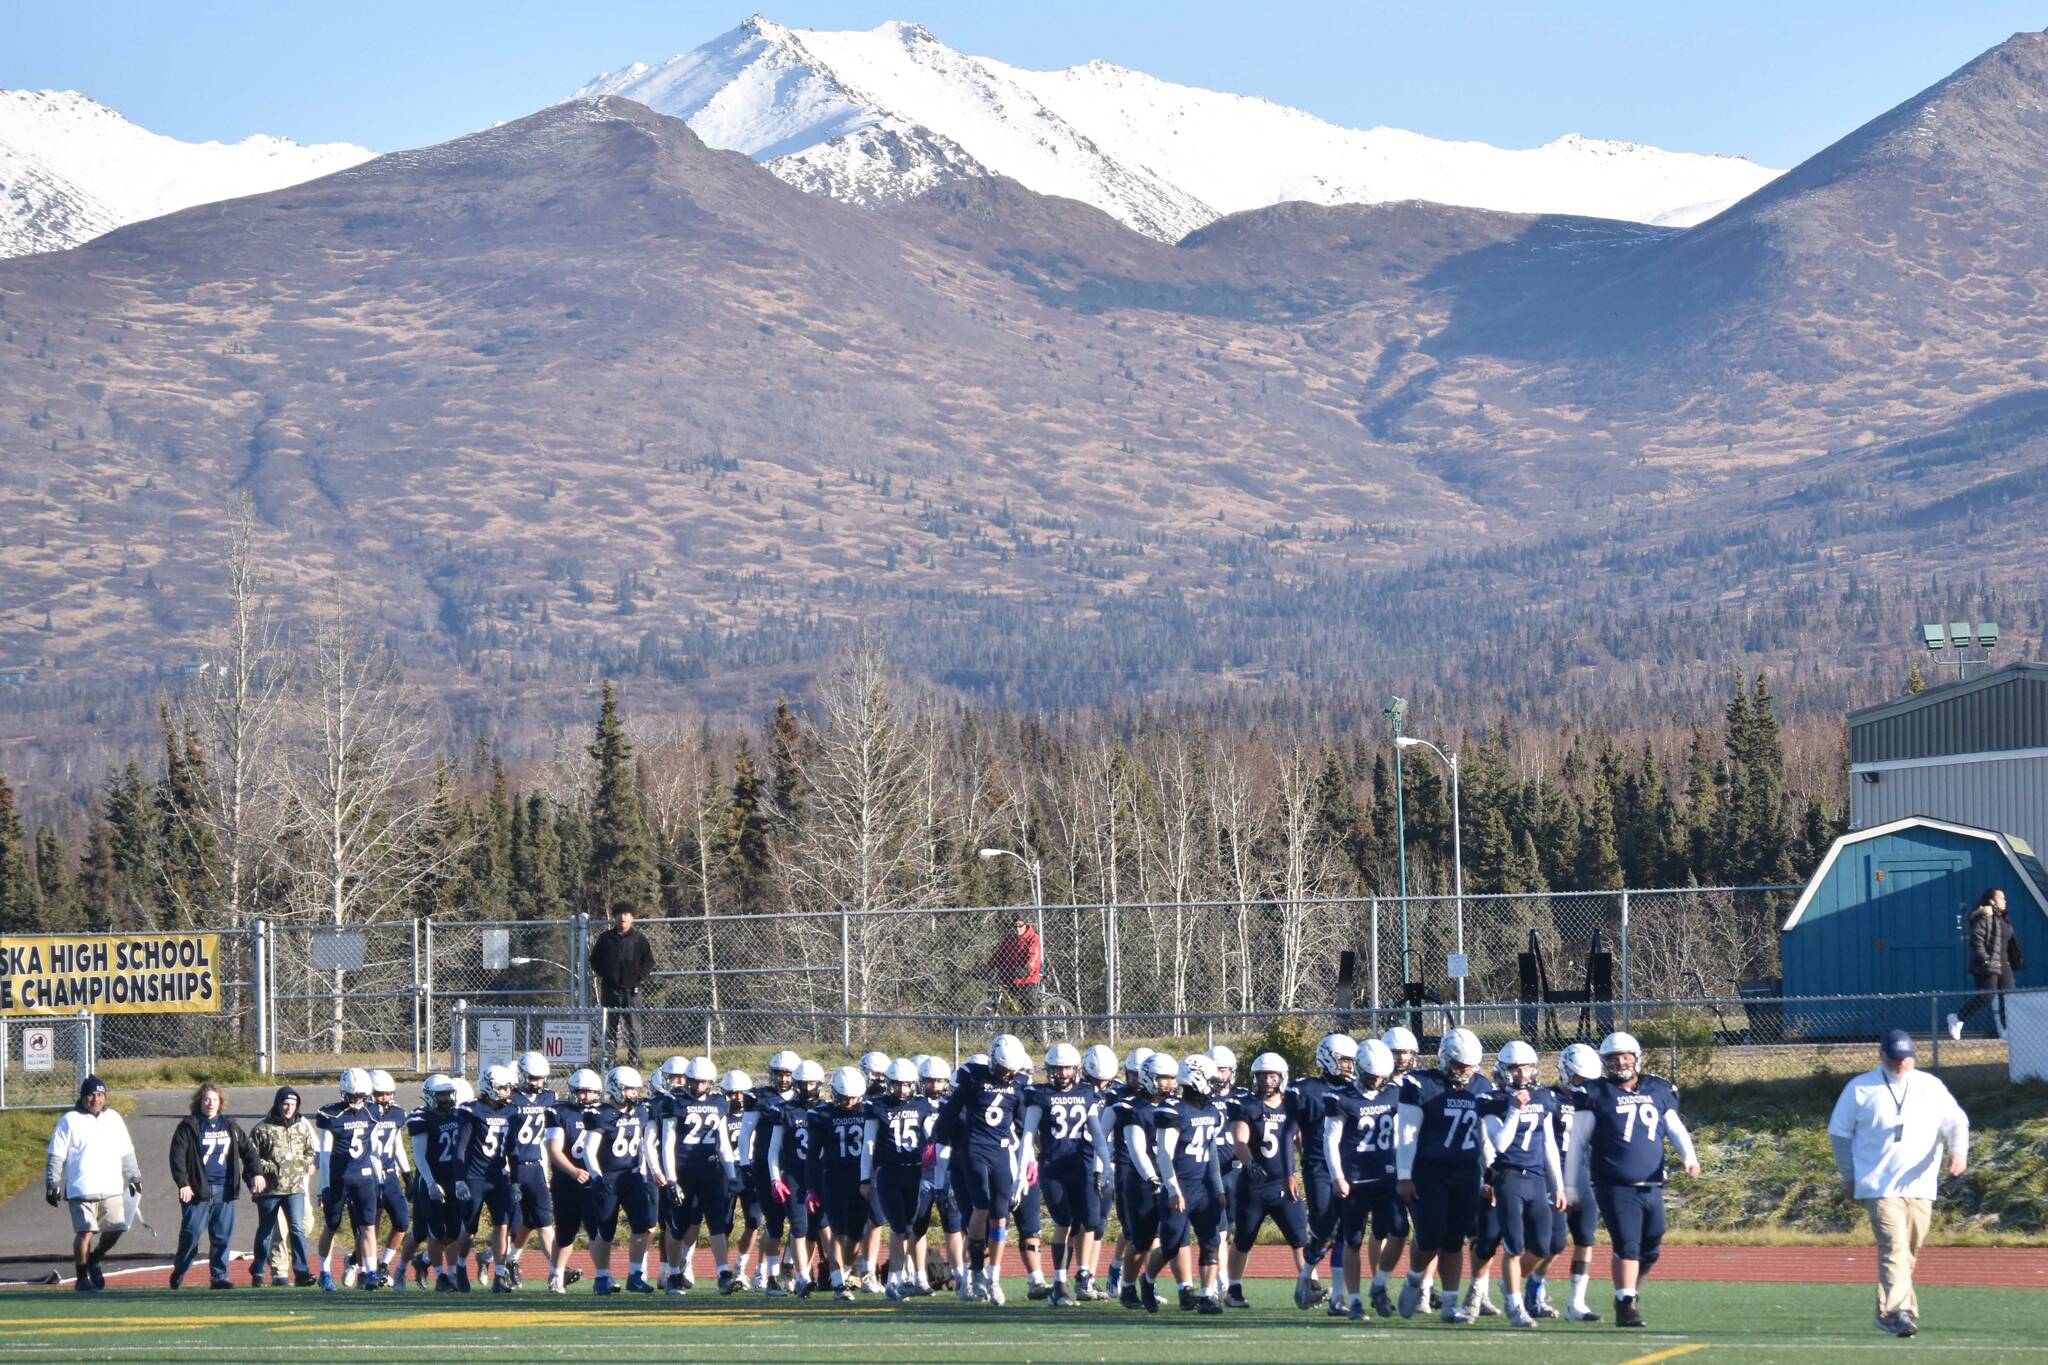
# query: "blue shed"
{"type": "Point", "coordinates": [1884, 915]}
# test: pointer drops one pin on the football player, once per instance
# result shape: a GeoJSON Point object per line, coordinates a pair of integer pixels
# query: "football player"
{"type": "Point", "coordinates": [1147, 1174]}
{"type": "Point", "coordinates": [1116, 1116]}
{"type": "Point", "coordinates": [1619, 1129]}
{"type": "Point", "coordinates": [351, 1179]}
{"type": "Point", "coordinates": [440, 1131]}
{"type": "Point", "coordinates": [1061, 1141]}
{"type": "Point", "coordinates": [772, 1275]}
{"type": "Point", "coordinates": [569, 1138]}
{"type": "Point", "coordinates": [789, 1156]}
{"type": "Point", "coordinates": [875, 1066]}
{"type": "Point", "coordinates": [490, 1168]}
{"type": "Point", "coordinates": [949, 1269]}
{"type": "Point", "coordinates": [620, 1159]}
{"type": "Point", "coordinates": [532, 1207]}
{"type": "Point", "coordinates": [1359, 1141]}
{"type": "Point", "coordinates": [1526, 1179]}
{"type": "Point", "coordinates": [741, 1118]}
{"type": "Point", "coordinates": [1099, 1074]}
{"type": "Point", "coordinates": [1402, 1044]}
{"type": "Point", "coordinates": [835, 1179]}
{"type": "Point", "coordinates": [1264, 1125]}
{"type": "Point", "coordinates": [1336, 1063]}
{"type": "Point", "coordinates": [394, 1166]}
{"type": "Point", "coordinates": [699, 1175]}
{"type": "Point", "coordinates": [979, 1126]}
{"type": "Point", "coordinates": [1441, 1159]}
{"type": "Point", "coordinates": [1578, 1064]}
{"type": "Point", "coordinates": [893, 1174]}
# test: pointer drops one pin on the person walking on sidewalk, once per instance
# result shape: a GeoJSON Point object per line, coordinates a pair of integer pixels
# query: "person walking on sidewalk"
{"type": "Point", "coordinates": [209, 1152]}
{"type": "Point", "coordinates": [1887, 1131]}
{"type": "Point", "coordinates": [286, 1149]}
{"type": "Point", "coordinates": [621, 960]}
{"type": "Point", "coordinates": [1994, 956]}
{"type": "Point", "coordinates": [91, 1166]}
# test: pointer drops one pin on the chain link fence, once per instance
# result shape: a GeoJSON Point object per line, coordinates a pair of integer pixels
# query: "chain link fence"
{"type": "Point", "coordinates": [42, 1060]}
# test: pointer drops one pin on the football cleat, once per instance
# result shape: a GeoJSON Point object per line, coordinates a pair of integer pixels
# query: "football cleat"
{"type": "Point", "coordinates": [844, 1293]}
{"type": "Point", "coordinates": [689, 1278]}
{"type": "Point", "coordinates": [1576, 1314]}
{"type": "Point", "coordinates": [571, 1275]}
{"type": "Point", "coordinates": [1234, 1297]}
{"type": "Point", "coordinates": [636, 1283]}
{"type": "Point", "coordinates": [501, 1285]}
{"type": "Point", "coordinates": [1436, 1299]}
{"type": "Point", "coordinates": [556, 1286]}
{"type": "Point", "coordinates": [1059, 1297]}
{"type": "Point", "coordinates": [1208, 1307]}
{"type": "Point", "coordinates": [326, 1282]}
{"type": "Point", "coordinates": [444, 1285]}
{"type": "Point", "coordinates": [803, 1287]}
{"type": "Point", "coordinates": [512, 1271]}
{"type": "Point", "coordinates": [462, 1279]}
{"type": "Point", "coordinates": [350, 1273]}
{"type": "Point", "coordinates": [1128, 1297]}
{"type": "Point", "coordinates": [965, 1289]}
{"type": "Point", "coordinates": [729, 1283]}
{"type": "Point", "coordinates": [870, 1283]}
{"type": "Point", "coordinates": [1038, 1291]}
{"type": "Point", "coordinates": [1455, 1313]}
{"type": "Point", "coordinates": [890, 1293]}
{"type": "Point", "coordinates": [994, 1292]}
{"type": "Point", "coordinates": [673, 1283]}
{"type": "Point", "coordinates": [1187, 1299]}
{"type": "Point", "coordinates": [1909, 1325]}
{"type": "Point", "coordinates": [775, 1289]}
{"type": "Point", "coordinates": [1381, 1303]}
{"type": "Point", "coordinates": [1485, 1306]}
{"type": "Point", "coordinates": [1357, 1313]}
{"type": "Point", "coordinates": [1411, 1298]}
{"type": "Point", "coordinates": [1519, 1318]}
{"type": "Point", "coordinates": [1304, 1289]}
{"type": "Point", "coordinates": [1542, 1309]}
{"type": "Point", "coordinates": [603, 1287]}
{"type": "Point", "coordinates": [1148, 1294]}
{"type": "Point", "coordinates": [1336, 1308]}
{"type": "Point", "coordinates": [1627, 1313]}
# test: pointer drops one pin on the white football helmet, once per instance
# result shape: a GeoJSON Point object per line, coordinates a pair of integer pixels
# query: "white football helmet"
{"type": "Point", "coordinates": [849, 1082]}
{"type": "Point", "coordinates": [355, 1084]}
{"type": "Point", "coordinates": [1512, 1055]}
{"type": "Point", "coordinates": [1062, 1057]}
{"type": "Point", "coordinates": [1269, 1064]}
{"type": "Point", "coordinates": [533, 1069]}
{"type": "Point", "coordinates": [1576, 1063]}
{"type": "Point", "coordinates": [500, 1077]}
{"type": "Point", "coordinates": [441, 1091]}
{"type": "Point", "coordinates": [1402, 1044]}
{"type": "Point", "coordinates": [623, 1083]}
{"type": "Point", "coordinates": [1161, 1072]}
{"type": "Point", "coordinates": [674, 1072]}
{"type": "Point", "coordinates": [382, 1084]}
{"type": "Point", "coordinates": [875, 1063]}
{"type": "Point", "coordinates": [1008, 1054]}
{"type": "Point", "coordinates": [1333, 1050]}
{"type": "Point", "coordinates": [936, 1075]}
{"type": "Point", "coordinates": [784, 1062]}
{"type": "Point", "coordinates": [427, 1086]}
{"type": "Point", "coordinates": [902, 1071]}
{"type": "Point", "coordinates": [1098, 1063]}
{"type": "Point", "coordinates": [1134, 1064]}
{"type": "Point", "coordinates": [810, 1077]}
{"type": "Point", "coordinates": [584, 1081]}
{"type": "Point", "coordinates": [1197, 1073]}
{"type": "Point", "coordinates": [736, 1083]}
{"type": "Point", "coordinates": [1460, 1047]}
{"type": "Point", "coordinates": [701, 1074]}
{"type": "Point", "coordinates": [465, 1093]}
{"type": "Point", "coordinates": [1375, 1059]}
{"type": "Point", "coordinates": [1615, 1046]}
{"type": "Point", "coordinates": [1226, 1064]}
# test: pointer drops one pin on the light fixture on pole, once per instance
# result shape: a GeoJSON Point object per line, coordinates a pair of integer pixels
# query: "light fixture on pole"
{"type": "Point", "coordinates": [1457, 850]}
{"type": "Point", "coordinates": [1956, 637]}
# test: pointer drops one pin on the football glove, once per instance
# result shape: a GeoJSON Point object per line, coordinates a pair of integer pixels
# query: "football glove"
{"type": "Point", "coordinates": [1256, 1172]}
{"type": "Point", "coordinates": [812, 1203]}
{"type": "Point", "coordinates": [781, 1190]}
{"type": "Point", "coordinates": [50, 1196]}
{"type": "Point", "coordinates": [1030, 1173]}
{"type": "Point", "coordinates": [135, 1184]}
{"type": "Point", "coordinates": [674, 1194]}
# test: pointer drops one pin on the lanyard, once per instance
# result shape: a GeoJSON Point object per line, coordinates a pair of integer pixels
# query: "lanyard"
{"type": "Point", "coordinates": [1898, 1101]}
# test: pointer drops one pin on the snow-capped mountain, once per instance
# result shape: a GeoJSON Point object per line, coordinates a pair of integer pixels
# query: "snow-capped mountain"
{"type": "Point", "coordinates": [71, 169]}
{"type": "Point", "coordinates": [891, 112]}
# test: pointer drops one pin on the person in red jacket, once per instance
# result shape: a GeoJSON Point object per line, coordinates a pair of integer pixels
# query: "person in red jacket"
{"type": "Point", "coordinates": [1017, 962]}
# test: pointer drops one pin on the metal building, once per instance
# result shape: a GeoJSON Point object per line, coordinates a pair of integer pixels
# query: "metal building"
{"type": "Point", "coordinates": [1885, 912]}
{"type": "Point", "coordinates": [1973, 752]}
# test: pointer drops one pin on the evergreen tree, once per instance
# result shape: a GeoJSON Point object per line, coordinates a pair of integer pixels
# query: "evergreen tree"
{"type": "Point", "coordinates": [537, 862]}
{"type": "Point", "coordinates": [1384, 847]}
{"type": "Point", "coordinates": [1525, 872]}
{"type": "Point", "coordinates": [1702, 812]}
{"type": "Point", "coordinates": [1337, 811]}
{"type": "Point", "coordinates": [54, 883]}
{"type": "Point", "coordinates": [188, 872]}
{"type": "Point", "coordinates": [132, 831]}
{"type": "Point", "coordinates": [1761, 847]}
{"type": "Point", "coordinates": [1915, 684]}
{"type": "Point", "coordinates": [743, 838]}
{"type": "Point", "coordinates": [20, 898]}
{"type": "Point", "coordinates": [785, 767]}
{"type": "Point", "coordinates": [444, 886]}
{"type": "Point", "coordinates": [621, 865]}
{"type": "Point", "coordinates": [1598, 867]}
{"type": "Point", "coordinates": [98, 881]}
{"type": "Point", "coordinates": [490, 855]}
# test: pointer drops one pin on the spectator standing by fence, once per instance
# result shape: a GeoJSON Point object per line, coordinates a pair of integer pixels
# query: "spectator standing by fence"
{"type": "Point", "coordinates": [1887, 1131]}
{"type": "Point", "coordinates": [286, 1149]}
{"type": "Point", "coordinates": [209, 1153]}
{"type": "Point", "coordinates": [621, 959]}
{"type": "Point", "coordinates": [1018, 962]}
{"type": "Point", "coordinates": [1994, 956]}
{"type": "Point", "coordinates": [92, 1166]}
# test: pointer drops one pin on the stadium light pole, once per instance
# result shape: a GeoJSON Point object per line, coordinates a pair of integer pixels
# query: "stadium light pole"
{"type": "Point", "coordinates": [1396, 711]}
{"type": "Point", "coordinates": [1457, 848]}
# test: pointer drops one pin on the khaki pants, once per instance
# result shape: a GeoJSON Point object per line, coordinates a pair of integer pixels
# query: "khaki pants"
{"type": "Point", "coordinates": [1901, 1226]}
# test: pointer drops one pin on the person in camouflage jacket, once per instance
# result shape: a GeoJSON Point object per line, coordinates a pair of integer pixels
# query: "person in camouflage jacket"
{"type": "Point", "coordinates": [286, 1151]}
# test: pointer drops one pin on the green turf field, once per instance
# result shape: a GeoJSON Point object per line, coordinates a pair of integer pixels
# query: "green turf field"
{"type": "Point", "coordinates": [1700, 1323]}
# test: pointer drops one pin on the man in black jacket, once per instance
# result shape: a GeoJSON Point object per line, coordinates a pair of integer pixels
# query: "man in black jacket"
{"type": "Point", "coordinates": [208, 1154]}
{"type": "Point", "coordinates": [621, 960]}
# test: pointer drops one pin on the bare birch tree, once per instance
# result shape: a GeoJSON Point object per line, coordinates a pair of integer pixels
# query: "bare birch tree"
{"type": "Point", "coordinates": [1306, 868]}
{"type": "Point", "coordinates": [685, 806]}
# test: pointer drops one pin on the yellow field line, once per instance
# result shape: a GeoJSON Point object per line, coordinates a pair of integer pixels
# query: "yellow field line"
{"type": "Point", "coordinates": [566, 1317]}
{"type": "Point", "coordinates": [1670, 1353]}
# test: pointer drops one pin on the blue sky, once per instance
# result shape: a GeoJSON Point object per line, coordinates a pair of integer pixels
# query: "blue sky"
{"type": "Point", "coordinates": [1775, 81]}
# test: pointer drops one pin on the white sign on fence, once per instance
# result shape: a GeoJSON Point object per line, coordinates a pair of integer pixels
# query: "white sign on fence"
{"type": "Point", "coordinates": [1457, 966]}
{"type": "Point", "coordinates": [565, 1042]}
{"type": "Point", "coordinates": [497, 1042]}
{"type": "Point", "coordinates": [38, 1049]}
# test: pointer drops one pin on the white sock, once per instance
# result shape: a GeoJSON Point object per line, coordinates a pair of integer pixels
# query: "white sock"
{"type": "Point", "coordinates": [1336, 1281]}
{"type": "Point", "coordinates": [1514, 1298]}
{"type": "Point", "coordinates": [1379, 1279]}
{"type": "Point", "coordinates": [1579, 1284]}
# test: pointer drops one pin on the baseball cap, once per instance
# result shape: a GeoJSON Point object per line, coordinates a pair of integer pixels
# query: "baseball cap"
{"type": "Point", "coordinates": [91, 1085]}
{"type": "Point", "coordinates": [1897, 1044]}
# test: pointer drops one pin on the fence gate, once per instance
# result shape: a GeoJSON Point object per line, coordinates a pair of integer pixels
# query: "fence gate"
{"type": "Point", "coordinates": [42, 1060]}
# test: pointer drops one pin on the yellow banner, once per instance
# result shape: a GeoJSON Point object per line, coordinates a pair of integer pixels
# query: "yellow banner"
{"type": "Point", "coordinates": [110, 974]}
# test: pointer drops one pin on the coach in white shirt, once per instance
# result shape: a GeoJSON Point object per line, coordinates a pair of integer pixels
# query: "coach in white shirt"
{"type": "Point", "coordinates": [91, 1166]}
{"type": "Point", "coordinates": [1887, 1130]}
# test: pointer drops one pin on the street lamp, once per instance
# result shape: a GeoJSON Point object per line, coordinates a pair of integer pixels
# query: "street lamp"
{"type": "Point", "coordinates": [1396, 710]}
{"type": "Point", "coordinates": [1457, 847]}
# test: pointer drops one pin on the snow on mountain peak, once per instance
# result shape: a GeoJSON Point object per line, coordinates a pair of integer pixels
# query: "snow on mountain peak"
{"type": "Point", "coordinates": [885, 113]}
{"type": "Point", "coordinates": [72, 169]}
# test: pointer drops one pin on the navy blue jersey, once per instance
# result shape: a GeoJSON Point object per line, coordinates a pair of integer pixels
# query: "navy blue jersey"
{"type": "Point", "coordinates": [1204, 1133]}
{"type": "Point", "coordinates": [214, 1142]}
{"type": "Point", "coordinates": [1521, 1143]}
{"type": "Point", "coordinates": [794, 1122]}
{"type": "Point", "coordinates": [389, 1137]}
{"type": "Point", "coordinates": [735, 1121]}
{"type": "Point", "coordinates": [1311, 1098]}
{"type": "Point", "coordinates": [1568, 1098]}
{"type": "Point", "coordinates": [447, 1132]}
{"type": "Point", "coordinates": [574, 1122]}
{"type": "Point", "coordinates": [490, 1144]}
{"type": "Point", "coordinates": [768, 1104]}
{"type": "Point", "coordinates": [532, 1114]}
{"type": "Point", "coordinates": [902, 1127]}
{"type": "Point", "coordinates": [1450, 1137]}
{"type": "Point", "coordinates": [694, 1128]}
{"type": "Point", "coordinates": [982, 1114]}
{"type": "Point", "coordinates": [354, 1143]}
{"type": "Point", "coordinates": [1123, 1115]}
{"type": "Point", "coordinates": [1627, 1146]}
{"type": "Point", "coordinates": [837, 1136]}
{"type": "Point", "coordinates": [1367, 1142]}
{"type": "Point", "coordinates": [620, 1136]}
{"type": "Point", "coordinates": [1273, 1132]}
{"type": "Point", "coordinates": [1064, 1134]}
